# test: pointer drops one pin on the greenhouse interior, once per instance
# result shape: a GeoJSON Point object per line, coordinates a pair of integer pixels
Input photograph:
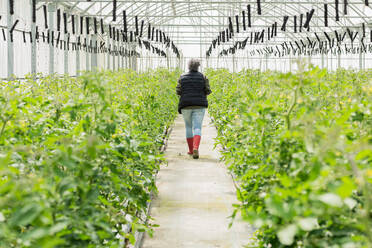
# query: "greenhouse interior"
{"type": "Point", "coordinates": [186, 124]}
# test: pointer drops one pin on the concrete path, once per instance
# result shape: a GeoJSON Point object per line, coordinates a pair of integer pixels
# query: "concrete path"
{"type": "Point", "coordinates": [195, 198]}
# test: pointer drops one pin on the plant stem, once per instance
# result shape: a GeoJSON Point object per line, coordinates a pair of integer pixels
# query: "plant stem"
{"type": "Point", "coordinates": [291, 109]}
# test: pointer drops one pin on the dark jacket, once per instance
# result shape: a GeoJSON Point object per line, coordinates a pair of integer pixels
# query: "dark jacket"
{"type": "Point", "coordinates": [193, 87]}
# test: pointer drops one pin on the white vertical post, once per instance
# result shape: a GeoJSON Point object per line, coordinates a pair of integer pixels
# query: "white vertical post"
{"type": "Point", "coordinates": [77, 28]}
{"type": "Point", "coordinates": [65, 54]}
{"type": "Point", "coordinates": [51, 9]}
{"type": "Point", "coordinates": [10, 45]}
{"type": "Point", "coordinates": [108, 54]}
{"type": "Point", "coordinates": [33, 46]}
{"type": "Point", "coordinates": [87, 67]}
{"type": "Point", "coordinates": [94, 63]}
{"type": "Point", "coordinates": [361, 57]}
{"type": "Point", "coordinates": [114, 56]}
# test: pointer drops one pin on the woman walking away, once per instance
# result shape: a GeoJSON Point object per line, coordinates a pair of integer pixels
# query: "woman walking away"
{"type": "Point", "coordinates": [193, 88]}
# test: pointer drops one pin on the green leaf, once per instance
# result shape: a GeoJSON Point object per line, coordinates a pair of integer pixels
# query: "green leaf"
{"type": "Point", "coordinates": [308, 224]}
{"type": "Point", "coordinates": [25, 215]}
{"type": "Point", "coordinates": [331, 199]}
{"type": "Point", "coordinates": [287, 234]}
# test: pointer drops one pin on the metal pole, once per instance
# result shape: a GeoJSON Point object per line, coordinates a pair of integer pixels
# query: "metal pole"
{"type": "Point", "coordinates": [10, 45]}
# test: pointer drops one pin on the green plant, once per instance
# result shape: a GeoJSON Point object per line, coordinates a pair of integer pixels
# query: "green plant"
{"type": "Point", "coordinates": [300, 146]}
{"type": "Point", "coordinates": [78, 156]}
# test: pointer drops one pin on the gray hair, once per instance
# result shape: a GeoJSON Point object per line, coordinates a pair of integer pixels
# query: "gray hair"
{"type": "Point", "coordinates": [194, 64]}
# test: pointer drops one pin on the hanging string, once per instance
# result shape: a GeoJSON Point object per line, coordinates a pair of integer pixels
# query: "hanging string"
{"type": "Point", "coordinates": [259, 7]}
{"type": "Point", "coordinates": [87, 24]}
{"type": "Point", "coordinates": [58, 20]}
{"type": "Point", "coordinates": [301, 21]}
{"type": "Point", "coordinates": [227, 34]}
{"type": "Point", "coordinates": [136, 21]}
{"type": "Point", "coordinates": [249, 15]}
{"type": "Point", "coordinates": [337, 14]}
{"type": "Point", "coordinates": [237, 23]}
{"type": "Point", "coordinates": [81, 24]}
{"type": "Point", "coordinates": [268, 33]}
{"type": "Point", "coordinates": [125, 22]}
{"type": "Point", "coordinates": [285, 20]}
{"type": "Point", "coordinates": [309, 15]}
{"type": "Point", "coordinates": [160, 36]}
{"type": "Point", "coordinates": [110, 31]}
{"type": "Point", "coordinates": [231, 26]}
{"type": "Point", "coordinates": [114, 11]}
{"type": "Point", "coordinates": [45, 16]}
{"type": "Point", "coordinates": [4, 36]}
{"type": "Point", "coordinates": [102, 27]}
{"type": "Point", "coordinates": [366, 2]}
{"type": "Point", "coordinates": [11, 7]}
{"type": "Point", "coordinates": [149, 32]}
{"type": "Point", "coordinates": [152, 33]}
{"type": "Point", "coordinates": [364, 30]}
{"type": "Point", "coordinates": [244, 27]}
{"type": "Point", "coordinates": [345, 7]}
{"type": "Point", "coordinates": [295, 23]}
{"type": "Point", "coordinates": [73, 24]}
{"type": "Point", "coordinates": [65, 23]}
{"type": "Point", "coordinates": [157, 35]}
{"type": "Point", "coordinates": [34, 11]}
{"type": "Point", "coordinates": [58, 38]}
{"type": "Point", "coordinates": [142, 23]}
{"type": "Point", "coordinates": [113, 33]}
{"type": "Point", "coordinates": [95, 25]}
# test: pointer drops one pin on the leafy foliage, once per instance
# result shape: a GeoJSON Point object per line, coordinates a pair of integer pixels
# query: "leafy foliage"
{"type": "Point", "coordinates": [300, 146]}
{"type": "Point", "coordinates": [78, 156]}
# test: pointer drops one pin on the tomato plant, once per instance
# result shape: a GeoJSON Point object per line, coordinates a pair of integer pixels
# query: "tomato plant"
{"type": "Point", "coordinates": [300, 147]}
{"type": "Point", "coordinates": [78, 156]}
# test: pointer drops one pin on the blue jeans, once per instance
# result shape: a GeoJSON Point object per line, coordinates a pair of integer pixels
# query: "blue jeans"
{"type": "Point", "coordinates": [193, 121]}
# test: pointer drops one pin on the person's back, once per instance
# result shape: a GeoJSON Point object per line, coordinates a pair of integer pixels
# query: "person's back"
{"type": "Point", "coordinates": [193, 88]}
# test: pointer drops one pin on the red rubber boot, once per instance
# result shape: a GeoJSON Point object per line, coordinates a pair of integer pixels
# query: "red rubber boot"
{"type": "Point", "coordinates": [190, 142]}
{"type": "Point", "coordinates": [195, 153]}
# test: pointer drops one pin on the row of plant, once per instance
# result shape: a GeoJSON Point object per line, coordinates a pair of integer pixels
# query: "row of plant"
{"type": "Point", "coordinates": [300, 147]}
{"type": "Point", "coordinates": [78, 156]}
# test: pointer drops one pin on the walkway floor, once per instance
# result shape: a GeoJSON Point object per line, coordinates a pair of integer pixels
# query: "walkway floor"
{"type": "Point", "coordinates": [195, 198]}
